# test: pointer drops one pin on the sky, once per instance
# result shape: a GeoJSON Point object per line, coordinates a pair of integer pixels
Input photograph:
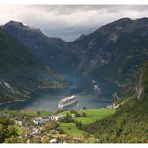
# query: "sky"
{"type": "Point", "coordinates": [69, 21]}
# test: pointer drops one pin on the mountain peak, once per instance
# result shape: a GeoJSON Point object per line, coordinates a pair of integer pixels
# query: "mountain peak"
{"type": "Point", "coordinates": [123, 25]}
{"type": "Point", "coordinates": [124, 19]}
{"type": "Point", "coordinates": [15, 23]}
{"type": "Point", "coordinates": [21, 26]}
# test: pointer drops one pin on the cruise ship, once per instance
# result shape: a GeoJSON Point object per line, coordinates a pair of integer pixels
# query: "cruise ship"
{"type": "Point", "coordinates": [67, 101]}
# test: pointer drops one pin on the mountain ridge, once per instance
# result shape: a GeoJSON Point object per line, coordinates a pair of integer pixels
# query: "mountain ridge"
{"type": "Point", "coordinates": [35, 39]}
{"type": "Point", "coordinates": [20, 71]}
{"type": "Point", "coordinates": [123, 41]}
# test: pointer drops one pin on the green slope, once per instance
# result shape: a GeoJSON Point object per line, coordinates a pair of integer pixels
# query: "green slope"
{"type": "Point", "coordinates": [20, 71]}
{"type": "Point", "coordinates": [129, 124]}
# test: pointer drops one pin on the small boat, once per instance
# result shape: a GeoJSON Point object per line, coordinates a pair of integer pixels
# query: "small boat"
{"type": "Point", "coordinates": [67, 101]}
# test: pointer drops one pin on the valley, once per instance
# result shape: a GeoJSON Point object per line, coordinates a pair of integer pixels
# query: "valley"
{"type": "Point", "coordinates": [106, 70]}
{"type": "Point", "coordinates": [48, 98]}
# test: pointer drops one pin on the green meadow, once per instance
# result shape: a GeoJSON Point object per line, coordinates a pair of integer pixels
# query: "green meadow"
{"type": "Point", "coordinates": [92, 115]}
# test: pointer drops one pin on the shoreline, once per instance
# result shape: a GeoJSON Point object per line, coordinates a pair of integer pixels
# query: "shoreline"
{"type": "Point", "coordinates": [12, 102]}
{"type": "Point", "coordinates": [8, 102]}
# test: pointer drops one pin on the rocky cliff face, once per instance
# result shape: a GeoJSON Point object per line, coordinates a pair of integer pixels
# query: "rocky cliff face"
{"type": "Point", "coordinates": [139, 88]}
{"type": "Point", "coordinates": [114, 50]}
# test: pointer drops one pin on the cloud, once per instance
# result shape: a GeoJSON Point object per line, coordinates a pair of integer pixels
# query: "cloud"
{"type": "Point", "coordinates": [69, 22]}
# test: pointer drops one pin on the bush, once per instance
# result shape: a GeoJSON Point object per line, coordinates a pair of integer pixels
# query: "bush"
{"type": "Point", "coordinates": [83, 114]}
{"type": "Point", "coordinates": [68, 118]}
{"type": "Point", "coordinates": [7, 131]}
{"type": "Point", "coordinates": [76, 113]}
{"type": "Point", "coordinates": [50, 125]}
{"type": "Point", "coordinates": [78, 124]}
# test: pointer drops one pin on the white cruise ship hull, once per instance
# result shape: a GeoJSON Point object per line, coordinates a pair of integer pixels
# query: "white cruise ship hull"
{"type": "Point", "coordinates": [61, 106]}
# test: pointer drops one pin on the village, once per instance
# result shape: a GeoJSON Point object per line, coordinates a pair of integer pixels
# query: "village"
{"type": "Point", "coordinates": [63, 126]}
{"type": "Point", "coordinates": [38, 129]}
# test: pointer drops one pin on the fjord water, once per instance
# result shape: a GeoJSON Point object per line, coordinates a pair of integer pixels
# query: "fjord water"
{"type": "Point", "coordinates": [83, 88]}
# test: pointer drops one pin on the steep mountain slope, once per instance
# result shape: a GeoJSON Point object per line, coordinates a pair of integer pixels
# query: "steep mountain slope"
{"type": "Point", "coordinates": [20, 71]}
{"type": "Point", "coordinates": [129, 124]}
{"type": "Point", "coordinates": [46, 48]}
{"type": "Point", "coordinates": [113, 52]}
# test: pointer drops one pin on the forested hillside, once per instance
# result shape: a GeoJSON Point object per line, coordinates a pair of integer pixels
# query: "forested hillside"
{"type": "Point", "coordinates": [130, 123]}
{"type": "Point", "coordinates": [20, 71]}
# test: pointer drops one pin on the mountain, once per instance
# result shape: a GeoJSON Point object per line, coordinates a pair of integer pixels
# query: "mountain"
{"type": "Point", "coordinates": [114, 52]}
{"type": "Point", "coordinates": [45, 48]}
{"type": "Point", "coordinates": [20, 71]}
{"type": "Point", "coordinates": [129, 123]}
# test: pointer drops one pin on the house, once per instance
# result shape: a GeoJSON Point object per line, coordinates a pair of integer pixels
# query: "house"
{"type": "Point", "coordinates": [54, 140]}
{"type": "Point", "coordinates": [35, 131]}
{"type": "Point", "coordinates": [56, 117]}
{"type": "Point", "coordinates": [73, 115]}
{"type": "Point", "coordinates": [78, 139]}
{"type": "Point", "coordinates": [45, 118]}
{"type": "Point", "coordinates": [113, 106]}
{"type": "Point", "coordinates": [37, 120]}
{"type": "Point", "coordinates": [18, 122]}
{"type": "Point", "coordinates": [41, 120]}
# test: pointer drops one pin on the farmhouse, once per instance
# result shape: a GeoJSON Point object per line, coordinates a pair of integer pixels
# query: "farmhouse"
{"type": "Point", "coordinates": [35, 131]}
{"type": "Point", "coordinates": [18, 122]}
{"type": "Point", "coordinates": [45, 119]}
{"type": "Point", "coordinates": [41, 120]}
{"type": "Point", "coordinates": [37, 120]}
{"type": "Point", "coordinates": [56, 117]}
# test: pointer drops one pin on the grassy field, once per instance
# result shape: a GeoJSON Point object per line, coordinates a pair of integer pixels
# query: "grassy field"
{"type": "Point", "coordinates": [94, 114]}
{"type": "Point", "coordinates": [64, 112]}
{"type": "Point", "coordinates": [91, 116]}
{"type": "Point", "coordinates": [71, 129]}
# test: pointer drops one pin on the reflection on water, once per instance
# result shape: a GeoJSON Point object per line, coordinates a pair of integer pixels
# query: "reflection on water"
{"type": "Point", "coordinates": [47, 99]}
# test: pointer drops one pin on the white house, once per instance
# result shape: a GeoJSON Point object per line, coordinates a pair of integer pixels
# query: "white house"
{"type": "Point", "coordinates": [18, 122]}
{"type": "Point", "coordinates": [45, 118]}
{"type": "Point", "coordinates": [40, 120]}
{"type": "Point", "coordinates": [54, 140]}
{"type": "Point", "coordinates": [37, 120]}
{"type": "Point", "coordinates": [55, 117]}
{"type": "Point", "coordinates": [35, 131]}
